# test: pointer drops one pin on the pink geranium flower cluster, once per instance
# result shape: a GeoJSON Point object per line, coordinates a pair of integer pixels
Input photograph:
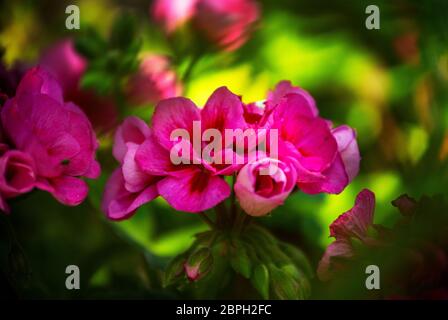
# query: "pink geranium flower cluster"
{"type": "Point", "coordinates": [312, 155]}
{"type": "Point", "coordinates": [46, 143]}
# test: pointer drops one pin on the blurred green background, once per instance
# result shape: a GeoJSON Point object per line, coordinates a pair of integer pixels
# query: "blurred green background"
{"type": "Point", "coordinates": [389, 84]}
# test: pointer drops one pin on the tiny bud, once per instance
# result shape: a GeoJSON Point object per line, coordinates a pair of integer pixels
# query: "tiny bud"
{"type": "Point", "coordinates": [199, 264]}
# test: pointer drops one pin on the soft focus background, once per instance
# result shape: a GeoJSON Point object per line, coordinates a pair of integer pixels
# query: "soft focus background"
{"type": "Point", "coordinates": [389, 84]}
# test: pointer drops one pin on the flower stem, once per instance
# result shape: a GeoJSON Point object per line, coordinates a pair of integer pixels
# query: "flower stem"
{"type": "Point", "coordinates": [234, 207]}
{"type": "Point", "coordinates": [207, 220]}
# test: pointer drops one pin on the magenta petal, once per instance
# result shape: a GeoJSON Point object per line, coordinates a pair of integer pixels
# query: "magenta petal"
{"type": "Point", "coordinates": [17, 175]}
{"type": "Point", "coordinates": [356, 221]}
{"type": "Point", "coordinates": [135, 178]}
{"type": "Point", "coordinates": [223, 110]}
{"type": "Point", "coordinates": [39, 81]}
{"type": "Point", "coordinates": [118, 203]}
{"type": "Point", "coordinates": [338, 249]}
{"type": "Point", "coordinates": [153, 159]}
{"type": "Point", "coordinates": [224, 169]}
{"type": "Point", "coordinates": [284, 87]}
{"type": "Point", "coordinates": [94, 170]}
{"type": "Point", "coordinates": [335, 180]}
{"type": "Point", "coordinates": [316, 144]}
{"type": "Point", "coordinates": [67, 190]}
{"type": "Point", "coordinates": [294, 105]}
{"type": "Point", "coordinates": [133, 130]}
{"type": "Point", "coordinates": [193, 190]}
{"type": "Point", "coordinates": [81, 130]}
{"type": "Point", "coordinates": [172, 114]}
{"type": "Point", "coordinates": [62, 60]}
{"type": "Point", "coordinates": [348, 148]}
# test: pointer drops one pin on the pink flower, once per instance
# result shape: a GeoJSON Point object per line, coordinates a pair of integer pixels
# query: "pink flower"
{"type": "Point", "coordinates": [326, 159]}
{"type": "Point", "coordinates": [129, 187]}
{"type": "Point", "coordinates": [229, 23]}
{"type": "Point", "coordinates": [189, 187]}
{"type": "Point", "coordinates": [68, 67]}
{"type": "Point", "coordinates": [153, 81]}
{"type": "Point", "coordinates": [352, 224]}
{"type": "Point", "coordinates": [263, 185]}
{"type": "Point", "coordinates": [57, 135]}
{"type": "Point", "coordinates": [173, 13]}
{"type": "Point", "coordinates": [17, 175]}
{"type": "Point", "coordinates": [63, 62]}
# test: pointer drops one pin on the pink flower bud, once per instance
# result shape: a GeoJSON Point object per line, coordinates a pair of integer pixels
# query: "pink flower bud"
{"type": "Point", "coordinates": [154, 81]}
{"type": "Point", "coordinates": [263, 185]}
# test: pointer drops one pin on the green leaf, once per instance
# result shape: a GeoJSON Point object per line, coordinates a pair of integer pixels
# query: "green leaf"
{"type": "Point", "coordinates": [283, 286]}
{"type": "Point", "coordinates": [260, 280]}
{"type": "Point", "coordinates": [123, 31]}
{"type": "Point", "coordinates": [299, 258]}
{"type": "Point", "coordinates": [303, 285]}
{"type": "Point", "coordinates": [240, 261]}
{"type": "Point", "coordinates": [97, 80]}
{"type": "Point", "coordinates": [90, 44]}
{"type": "Point", "coordinates": [198, 256]}
{"type": "Point", "coordinates": [174, 271]}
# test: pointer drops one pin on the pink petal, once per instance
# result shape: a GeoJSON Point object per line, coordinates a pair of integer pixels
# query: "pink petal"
{"type": "Point", "coordinates": [118, 203]}
{"type": "Point", "coordinates": [223, 110]}
{"type": "Point", "coordinates": [133, 130]}
{"type": "Point", "coordinates": [153, 159]}
{"type": "Point", "coordinates": [348, 148]}
{"type": "Point", "coordinates": [172, 114]}
{"type": "Point", "coordinates": [334, 180]}
{"type": "Point", "coordinates": [338, 249]}
{"type": "Point", "coordinates": [284, 88]}
{"type": "Point", "coordinates": [39, 81]}
{"type": "Point", "coordinates": [81, 130]}
{"type": "Point", "coordinates": [135, 178]}
{"type": "Point", "coordinates": [193, 190]}
{"type": "Point", "coordinates": [356, 221]}
{"type": "Point", "coordinates": [272, 189]}
{"type": "Point", "coordinates": [17, 173]}
{"type": "Point", "coordinates": [65, 64]}
{"type": "Point", "coordinates": [67, 190]}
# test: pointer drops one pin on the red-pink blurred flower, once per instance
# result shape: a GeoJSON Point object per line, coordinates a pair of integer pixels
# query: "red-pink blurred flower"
{"type": "Point", "coordinates": [172, 13]}
{"type": "Point", "coordinates": [57, 135]}
{"type": "Point", "coordinates": [264, 184]}
{"type": "Point", "coordinates": [17, 176]}
{"type": "Point", "coordinates": [67, 66]}
{"type": "Point", "coordinates": [228, 23]}
{"type": "Point", "coordinates": [154, 81]}
{"type": "Point", "coordinates": [353, 224]}
{"type": "Point", "coordinates": [62, 60]}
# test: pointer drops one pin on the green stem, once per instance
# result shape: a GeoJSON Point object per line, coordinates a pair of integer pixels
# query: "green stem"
{"type": "Point", "coordinates": [207, 220]}
{"type": "Point", "coordinates": [234, 207]}
{"type": "Point", "coordinates": [190, 67]}
{"type": "Point", "coordinates": [221, 214]}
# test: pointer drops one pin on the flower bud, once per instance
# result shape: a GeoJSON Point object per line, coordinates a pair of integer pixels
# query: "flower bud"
{"type": "Point", "coordinates": [199, 264]}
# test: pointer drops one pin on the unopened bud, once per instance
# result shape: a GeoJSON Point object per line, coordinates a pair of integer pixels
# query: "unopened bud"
{"type": "Point", "coordinates": [198, 264]}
